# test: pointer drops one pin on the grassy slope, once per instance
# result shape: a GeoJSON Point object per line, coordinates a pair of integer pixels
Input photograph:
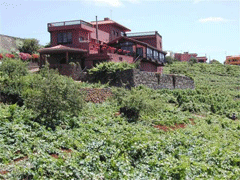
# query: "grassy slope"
{"type": "Point", "coordinates": [107, 146]}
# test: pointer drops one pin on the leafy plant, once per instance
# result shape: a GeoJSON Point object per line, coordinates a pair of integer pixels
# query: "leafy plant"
{"type": "Point", "coordinates": [106, 71]}
{"type": "Point", "coordinates": [52, 96]}
{"type": "Point", "coordinates": [29, 46]}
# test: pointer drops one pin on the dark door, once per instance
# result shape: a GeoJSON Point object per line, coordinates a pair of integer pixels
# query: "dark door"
{"type": "Point", "coordinates": [139, 51]}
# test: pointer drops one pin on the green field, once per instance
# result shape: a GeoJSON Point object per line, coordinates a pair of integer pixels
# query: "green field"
{"type": "Point", "coordinates": [71, 139]}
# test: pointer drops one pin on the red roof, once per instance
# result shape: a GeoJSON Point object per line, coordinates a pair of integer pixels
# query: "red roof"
{"type": "Point", "coordinates": [108, 21]}
{"type": "Point", "coordinates": [61, 48]}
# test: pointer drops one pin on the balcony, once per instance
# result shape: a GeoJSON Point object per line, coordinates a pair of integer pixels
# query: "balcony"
{"type": "Point", "coordinates": [159, 59]}
{"type": "Point", "coordinates": [149, 33]}
{"type": "Point", "coordinates": [69, 23]}
{"type": "Point", "coordinates": [65, 25]}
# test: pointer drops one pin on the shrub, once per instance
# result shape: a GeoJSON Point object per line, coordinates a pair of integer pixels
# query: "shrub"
{"type": "Point", "coordinates": [13, 68]}
{"type": "Point", "coordinates": [169, 59]}
{"type": "Point", "coordinates": [52, 97]}
{"type": "Point", "coordinates": [24, 56]}
{"type": "Point", "coordinates": [192, 61]}
{"type": "Point", "coordinates": [106, 71]}
{"type": "Point", "coordinates": [9, 56]}
{"type": "Point", "coordinates": [12, 72]}
{"type": "Point", "coordinates": [29, 46]}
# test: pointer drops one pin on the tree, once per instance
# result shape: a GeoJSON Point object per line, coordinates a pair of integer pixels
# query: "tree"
{"type": "Point", "coordinates": [192, 60]}
{"type": "Point", "coordinates": [170, 60]}
{"type": "Point", "coordinates": [29, 46]}
{"type": "Point", "coordinates": [214, 61]}
{"type": "Point", "coordinates": [47, 45]}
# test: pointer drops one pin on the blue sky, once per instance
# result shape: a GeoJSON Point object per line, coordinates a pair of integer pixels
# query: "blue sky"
{"type": "Point", "coordinates": [205, 27]}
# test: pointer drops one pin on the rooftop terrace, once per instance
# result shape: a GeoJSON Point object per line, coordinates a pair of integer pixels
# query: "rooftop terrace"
{"type": "Point", "coordinates": [69, 23]}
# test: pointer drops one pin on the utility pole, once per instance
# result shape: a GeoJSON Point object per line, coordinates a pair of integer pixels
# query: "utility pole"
{"type": "Point", "coordinates": [97, 30]}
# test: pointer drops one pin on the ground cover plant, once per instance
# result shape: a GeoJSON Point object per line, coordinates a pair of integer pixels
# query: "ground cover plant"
{"type": "Point", "coordinates": [100, 143]}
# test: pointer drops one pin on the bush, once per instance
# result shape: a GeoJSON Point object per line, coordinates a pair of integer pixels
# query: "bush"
{"type": "Point", "coordinates": [192, 61]}
{"type": "Point", "coordinates": [13, 68]}
{"type": "Point", "coordinates": [29, 46]}
{"type": "Point", "coordinates": [52, 97]}
{"type": "Point", "coordinates": [12, 74]}
{"type": "Point", "coordinates": [106, 71]}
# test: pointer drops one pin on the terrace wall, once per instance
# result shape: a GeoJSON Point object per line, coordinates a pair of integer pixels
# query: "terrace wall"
{"type": "Point", "coordinates": [134, 77]}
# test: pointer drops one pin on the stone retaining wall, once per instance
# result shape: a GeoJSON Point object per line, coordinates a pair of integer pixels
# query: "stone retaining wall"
{"type": "Point", "coordinates": [134, 77]}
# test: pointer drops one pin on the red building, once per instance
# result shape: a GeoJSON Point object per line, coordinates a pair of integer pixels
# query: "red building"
{"type": "Point", "coordinates": [232, 60]}
{"type": "Point", "coordinates": [186, 57]}
{"type": "Point", "coordinates": [94, 42]}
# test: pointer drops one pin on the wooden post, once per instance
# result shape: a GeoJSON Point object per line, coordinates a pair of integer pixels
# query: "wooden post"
{"type": "Point", "coordinates": [41, 60]}
{"type": "Point", "coordinates": [66, 57]}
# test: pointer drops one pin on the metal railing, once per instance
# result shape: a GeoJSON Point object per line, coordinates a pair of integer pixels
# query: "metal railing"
{"type": "Point", "coordinates": [69, 23]}
{"type": "Point", "coordinates": [148, 33]}
{"type": "Point", "coordinates": [159, 59]}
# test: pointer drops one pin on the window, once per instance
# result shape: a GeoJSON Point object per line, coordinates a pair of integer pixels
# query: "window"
{"type": "Point", "coordinates": [161, 57]}
{"type": "Point", "coordinates": [64, 38]}
{"type": "Point", "coordinates": [149, 52]}
{"type": "Point", "coordinates": [140, 51]}
{"type": "Point", "coordinates": [127, 48]}
{"type": "Point", "coordinates": [81, 39]}
{"type": "Point", "coordinates": [116, 33]}
{"type": "Point", "coordinates": [155, 54]}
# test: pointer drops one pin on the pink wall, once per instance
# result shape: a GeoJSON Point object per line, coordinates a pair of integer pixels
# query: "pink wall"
{"type": "Point", "coordinates": [109, 29]}
{"type": "Point", "coordinates": [147, 66]}
{"type": "Point", "coordinates": [158, 42]}
{"type": "Point", "coordinates": [184, 56]}
{"type": "Point", "coordinates": [154, 40]}
{"type": "Point", "coordinates": [120, 58]}
{"type": "Point", "coordinates": [160, 69]}
{"type": "Point", "coordinates": [102, 36]}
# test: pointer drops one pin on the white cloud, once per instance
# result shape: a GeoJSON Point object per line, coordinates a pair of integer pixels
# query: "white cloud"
{"type": "Point", "coordinates": [196, 1]}
{"type": "Point", "coordinates": [213, 19]}
{"type": "Point", "coordinates": [112, 3]}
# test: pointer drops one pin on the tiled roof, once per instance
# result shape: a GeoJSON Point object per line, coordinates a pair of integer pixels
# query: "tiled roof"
{"type": "Point", "coordinates": [60, 48]}
{"type": "Point", "coordinates": [110, 22]}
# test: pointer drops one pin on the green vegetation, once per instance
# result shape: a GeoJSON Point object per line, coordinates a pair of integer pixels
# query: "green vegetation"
{"type": "Point", "coordinates": [103, 70]}
{"type": "Point", "coordinates": [92, 141]}
{"type": "Point", "coordinates": [29, 46]}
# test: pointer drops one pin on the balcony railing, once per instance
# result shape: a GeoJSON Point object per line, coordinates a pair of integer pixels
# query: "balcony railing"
{"type": "Point", "coordinates": [149, 33]}
{"type": "Point", "coordinates": [157, 58]}
{"type": "Point", "coordinates": [69, 23]}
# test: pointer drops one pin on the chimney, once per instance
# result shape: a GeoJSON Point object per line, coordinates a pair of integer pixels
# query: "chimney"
{"type": "Point", "coordinates": [106, 19]}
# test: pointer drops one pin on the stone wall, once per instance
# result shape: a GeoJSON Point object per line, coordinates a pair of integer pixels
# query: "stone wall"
{"type": "Point", "coordinates": [134, 77]}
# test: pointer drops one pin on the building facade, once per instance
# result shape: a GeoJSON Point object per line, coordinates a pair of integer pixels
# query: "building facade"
{"type": "Point", "coordinates": [89, 43]}
{"type": "Point", "coordinates": [187, 56]}
{"type": "Point", "coordinates": [232, 60]}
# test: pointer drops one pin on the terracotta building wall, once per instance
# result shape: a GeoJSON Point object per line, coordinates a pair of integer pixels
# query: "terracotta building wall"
{"type": "Point", "coordinates": [184, 56]}
{"type": "Point", "coordinates": [147, 66]}
{"type": "Point", "coordinates": [120, 58]}
{"type": "Point", "coordinates": [155, 40]}
{"type": "Point", "coordinates": [109, 29]}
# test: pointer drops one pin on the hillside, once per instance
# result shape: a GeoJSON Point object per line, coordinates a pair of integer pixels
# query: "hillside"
{"type": "Point", "coordinates": [169, 134]}
{"type": "Point", "coordinates": [9, 43]}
